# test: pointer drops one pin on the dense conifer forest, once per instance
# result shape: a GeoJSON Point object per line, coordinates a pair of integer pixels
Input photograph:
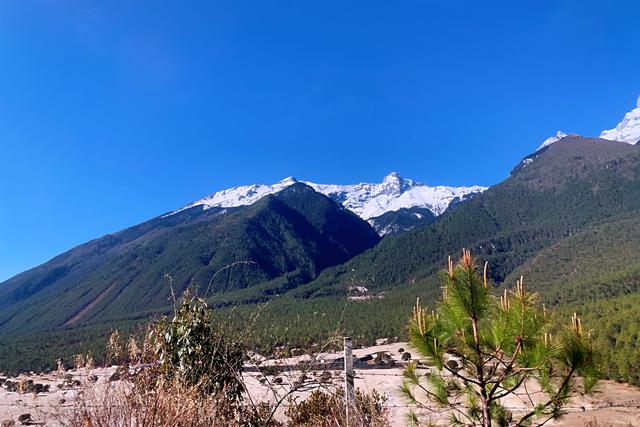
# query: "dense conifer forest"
{"type": "Point", "coordinates": [567, 220]}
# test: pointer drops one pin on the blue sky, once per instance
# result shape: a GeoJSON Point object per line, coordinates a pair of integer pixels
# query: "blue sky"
{"type": "Point", "coordinates": [114, 112]}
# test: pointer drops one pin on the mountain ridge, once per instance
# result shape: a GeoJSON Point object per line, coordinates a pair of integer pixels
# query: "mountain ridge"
{"type": "Point", "coordinates": [367, 200]}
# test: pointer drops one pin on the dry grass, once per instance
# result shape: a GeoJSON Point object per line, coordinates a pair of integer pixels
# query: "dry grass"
{"type": "Point", "coordinates": [186, 373]}
{"type": "Point", "coordinates": [145, 398]}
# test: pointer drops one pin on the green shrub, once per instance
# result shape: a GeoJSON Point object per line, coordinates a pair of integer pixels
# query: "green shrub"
{"type": "Point", "coordinates": [190, 350]}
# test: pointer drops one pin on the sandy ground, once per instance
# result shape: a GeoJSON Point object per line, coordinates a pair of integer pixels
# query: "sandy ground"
{"type": "Point", "coordinates": [613, 405]}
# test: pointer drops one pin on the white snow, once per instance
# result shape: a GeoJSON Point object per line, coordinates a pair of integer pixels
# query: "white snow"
{"type": "Point", "coordinates": [367, 200]}
{"type": "Point", "coordinates": [555, 138]}
{"type": "Point", "coordinates": [370, 200]}
{"type": "Point", "coordinates": [628, 130]}
{"type": "Point", "coordinates": [240, 196]}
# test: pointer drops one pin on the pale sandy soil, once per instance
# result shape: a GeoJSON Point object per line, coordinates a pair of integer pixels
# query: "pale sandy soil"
{"type": "Point", "coordinates": [614, 405]}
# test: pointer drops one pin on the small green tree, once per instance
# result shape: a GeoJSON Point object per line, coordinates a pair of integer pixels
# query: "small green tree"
{"type": "Point", "coordinates": [486, 348]}
{"type": "Point", "coordinates": [193, 351]}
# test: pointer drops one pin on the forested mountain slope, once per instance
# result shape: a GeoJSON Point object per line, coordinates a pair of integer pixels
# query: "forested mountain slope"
{"type": "Point", "coordinates": [291, 235]}
{"type": "Point", "coordinates": [558, 191]}
{"type": "Point", "coordinates": [567, 218]}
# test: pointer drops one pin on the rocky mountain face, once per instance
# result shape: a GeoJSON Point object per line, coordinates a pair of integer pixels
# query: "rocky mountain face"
{"type": "Point", "coordinates": [404, 219]}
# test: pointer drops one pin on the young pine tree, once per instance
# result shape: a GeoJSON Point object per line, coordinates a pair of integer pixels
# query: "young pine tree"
{"type": "Point", "coordinates": [486, 349]}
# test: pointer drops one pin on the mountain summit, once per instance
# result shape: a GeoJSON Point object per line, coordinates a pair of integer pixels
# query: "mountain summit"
{"type": "Point", "coordinates": [628, 130]}
{"type": "Point", "coordinates": [396, 184]}
{"type": "Point", "coordinates": [555, 138]}
{"type": "Point", "coordinates": [367, 200]}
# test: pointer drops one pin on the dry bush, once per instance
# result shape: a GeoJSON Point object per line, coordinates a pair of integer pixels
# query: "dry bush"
{"type": "Point", "coordinates": [147, 400]}
{"type": "Point", "coordinates": [185, 373]}
{"type": "Point", "coordinates": [188, 371]}
{"type": "Point", "coordinates": [325, 409]}
{"type": "Point", "coordinates": [595, 423]}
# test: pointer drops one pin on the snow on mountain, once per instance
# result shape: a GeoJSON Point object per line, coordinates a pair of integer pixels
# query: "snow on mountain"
{"type": "Point", "coordinates": [367, 200]}
{"type": "Point", "coordinates": [240, 196]}
{"type": "Point", "coordinates": [628, 130]}
{"type": "Point", "coordinates": [557, 137]}
{"type": "Point", "coordinates": [371, 200]}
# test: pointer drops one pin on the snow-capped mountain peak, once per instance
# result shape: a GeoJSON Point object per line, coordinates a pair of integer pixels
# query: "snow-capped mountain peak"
{"type": "Point", "coordinates": [555, 138]}
{"type": "Point", "coordinates": [392, 179]}
{"type": "Point", "coordinates": [395, 184]}
{"type": "Point", "coordinates": [628, 130]}
{"type": "Point", "coordinates": [290, 180]}
{"type": "Point", "coordinates": [367, 200]}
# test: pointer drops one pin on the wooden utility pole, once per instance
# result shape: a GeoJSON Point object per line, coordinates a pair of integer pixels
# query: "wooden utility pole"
{"type": "Point", "coordinates": [349, 397]}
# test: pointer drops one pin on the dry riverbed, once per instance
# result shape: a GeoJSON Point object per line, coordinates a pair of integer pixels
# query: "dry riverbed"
{"type": "Point", "coordinates": [614, 405]}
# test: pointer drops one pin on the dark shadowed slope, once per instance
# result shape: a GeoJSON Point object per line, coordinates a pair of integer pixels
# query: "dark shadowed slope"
{"type": "Point", "coordinates": [402, 220]}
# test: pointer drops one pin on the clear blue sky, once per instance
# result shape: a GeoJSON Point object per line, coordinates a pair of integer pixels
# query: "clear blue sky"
{"type": "Point", "coordinates": [113, 112]}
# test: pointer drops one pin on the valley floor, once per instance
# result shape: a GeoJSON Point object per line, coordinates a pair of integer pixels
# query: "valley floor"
{"type": "Point", "coordinates": [614, 404]}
